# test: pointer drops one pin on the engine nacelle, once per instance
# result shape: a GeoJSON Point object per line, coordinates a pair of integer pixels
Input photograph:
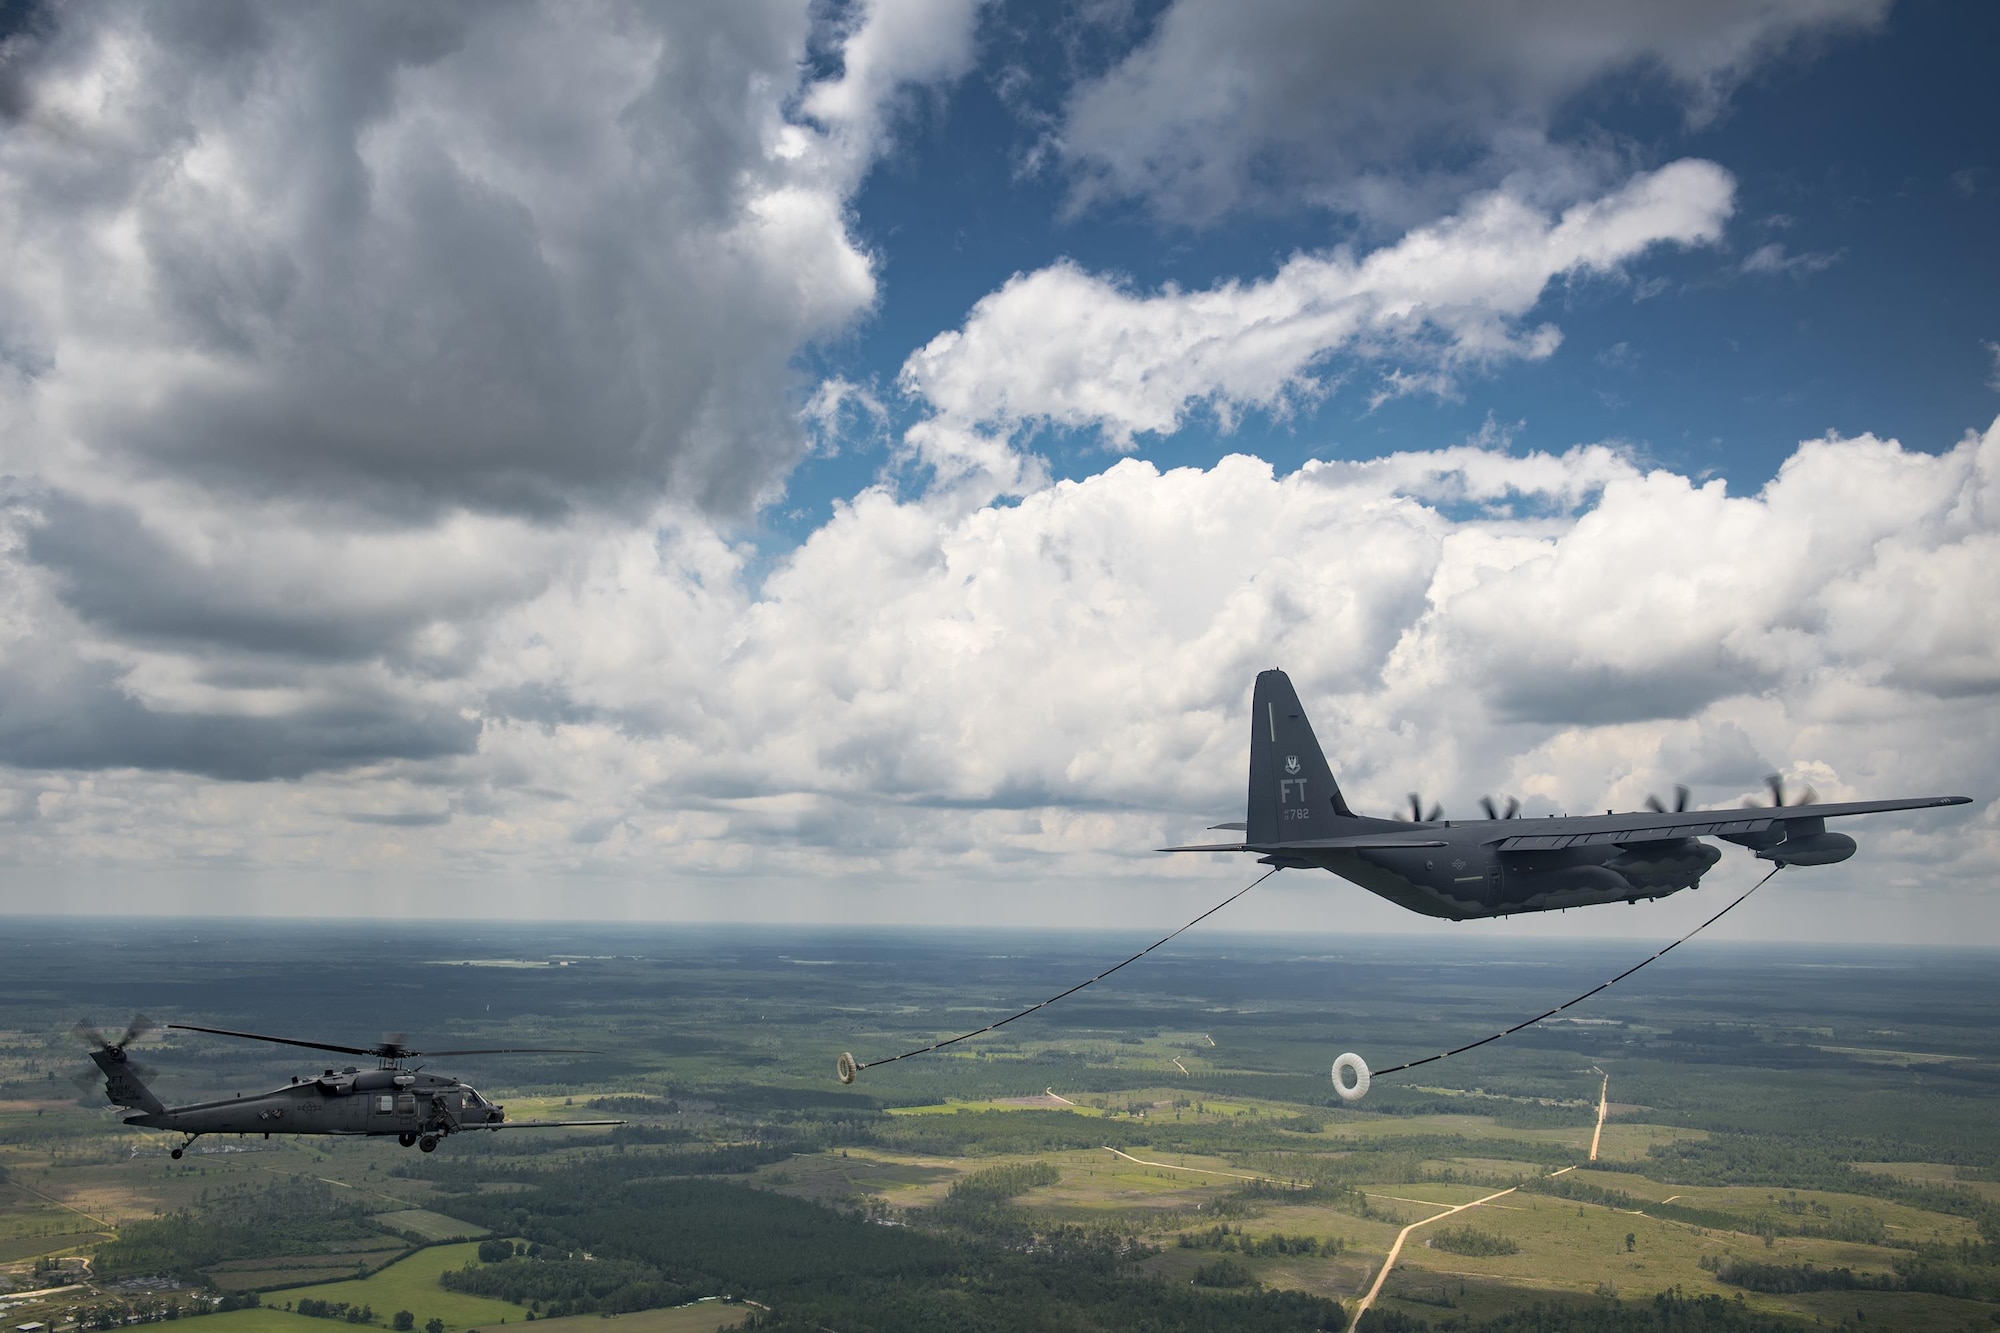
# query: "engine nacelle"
{"type": "Point", "coordinates": [1814, 849]}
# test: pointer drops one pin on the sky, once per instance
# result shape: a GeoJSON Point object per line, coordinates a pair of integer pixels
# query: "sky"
{"type": "Point", "coordinates": [846, 462]}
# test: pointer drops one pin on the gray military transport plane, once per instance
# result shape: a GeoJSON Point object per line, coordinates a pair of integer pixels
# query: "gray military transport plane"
{"type": "Point", "coordinates": [1460, 869]}
{"type": "Point", "coordinates": [413, 1107]}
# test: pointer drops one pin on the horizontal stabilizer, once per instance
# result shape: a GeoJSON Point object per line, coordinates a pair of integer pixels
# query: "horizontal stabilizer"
{"type": "Point", "coordinates": [1236, 827]}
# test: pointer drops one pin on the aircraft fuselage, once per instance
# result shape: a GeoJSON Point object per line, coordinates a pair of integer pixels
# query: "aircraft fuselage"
{"type": "Point", "coordinates": [392, 1102]}
{"type": "Point", "coordinates": [1470, 876]}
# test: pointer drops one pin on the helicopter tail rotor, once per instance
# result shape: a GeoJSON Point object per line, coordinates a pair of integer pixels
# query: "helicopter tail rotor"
{"type": "Point", "coordinates": [124, 1077]}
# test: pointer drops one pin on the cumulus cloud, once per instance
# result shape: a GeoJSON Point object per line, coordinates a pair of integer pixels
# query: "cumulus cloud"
{"type": "Point", "coordinates": [511, 258]}
{"type": "Point", "coordinates": [1039, 691]}
{"type": "Point", "coordinates": [1064, 347]}
{"type": "Point", "coordinates": [329, 332]}
{"type": "Point", "coordinates": [1388, 111]}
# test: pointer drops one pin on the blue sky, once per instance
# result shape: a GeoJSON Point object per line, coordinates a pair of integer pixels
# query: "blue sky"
{"type": "Point", "coordinates": [1869, 155]}
{"type": "Point", "coordinates": [791, 461]}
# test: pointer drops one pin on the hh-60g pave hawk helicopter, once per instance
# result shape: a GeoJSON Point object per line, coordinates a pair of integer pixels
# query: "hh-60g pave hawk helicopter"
{"type": "Point", "coordinates": [1500, 865]}
{"type": "Point", "coordinates": [415, 1107]}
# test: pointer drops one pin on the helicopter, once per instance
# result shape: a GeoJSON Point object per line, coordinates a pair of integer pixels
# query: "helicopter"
{"type": "Point", "coordinates": [417, 1109]}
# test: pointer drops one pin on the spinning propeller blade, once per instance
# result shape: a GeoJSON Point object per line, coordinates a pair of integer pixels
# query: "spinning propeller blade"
{"type": "Point", "coordinates": [87, 1032]}
{"type": "Point", "coordinates": [1680, 801]}
{"type": "Point", "coordinates": [1776, 782]}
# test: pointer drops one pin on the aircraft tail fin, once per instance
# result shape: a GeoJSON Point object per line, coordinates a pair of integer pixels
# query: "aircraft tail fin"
{"type": "Point", "coordinates": [122, 1083]}
{"type": "Point", "coordinates": [1292, 792]}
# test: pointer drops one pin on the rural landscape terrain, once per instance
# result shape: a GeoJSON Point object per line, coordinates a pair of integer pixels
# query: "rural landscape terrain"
{"type": "Point", "coordinates": [1742, 1137]}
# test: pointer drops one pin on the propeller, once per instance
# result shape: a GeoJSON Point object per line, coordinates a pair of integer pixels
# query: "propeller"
{"type": "Point", "coordinates": [83, 1030]}
{"type": "Point", "coordinates": [1680, 801]}
{"type": "Point", "coordinates": [1417, 814]}
{"type": "Point", "coordinates": [1776, 782]}
{"type": "Point", "coordinates": [1513, 808]}
{"type": "Point", "coordinates": [138, 1029]}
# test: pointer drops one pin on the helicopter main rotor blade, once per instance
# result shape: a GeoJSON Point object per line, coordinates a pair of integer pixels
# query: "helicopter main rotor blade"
{"type": "Point", "coordinates": [282, 1041]}
{"type": "Point", "coordinates": [512, 1050]}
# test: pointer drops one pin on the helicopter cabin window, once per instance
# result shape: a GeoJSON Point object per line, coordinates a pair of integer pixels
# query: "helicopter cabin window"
{"type": "Point", "coordinates": [406, 1104]}
{"type": "Point", "coordinates": [385, 1105]}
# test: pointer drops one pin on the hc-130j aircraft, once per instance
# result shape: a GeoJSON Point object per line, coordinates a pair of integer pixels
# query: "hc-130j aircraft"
{"type": "Point", "coordinates": [1459, 869]}
{"type": "Point", "coordinates": [410, 1105]}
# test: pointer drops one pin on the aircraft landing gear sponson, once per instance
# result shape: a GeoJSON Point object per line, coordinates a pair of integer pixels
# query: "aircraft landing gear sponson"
{"type": "Point", "coordinates": [407, 1140]}
{"type": "Point", "coordinates": [428, 1143]}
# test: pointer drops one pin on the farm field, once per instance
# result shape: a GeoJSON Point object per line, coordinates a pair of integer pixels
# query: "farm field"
{"type": "Point", "coordinates": [703, 1318]}
{"type": "Point", "coordinates": [1757, 1151]}
{"type": "Point", "coordinates": [412, 1284]}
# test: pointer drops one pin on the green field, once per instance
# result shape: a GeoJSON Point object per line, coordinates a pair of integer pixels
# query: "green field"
{"type": "Point", "coordinates": [264, 1320]}
{"type": "Point", "coordinates": [431, 1226]}
{"type": "Point", "coordinates": [705, 1317]}
{"type": "Point", "coordinates": [702, 1318]}
{"type": "Point", "coordinates": [952, 1108]}
{"type": "Point", "coordinates": [412, 1284]}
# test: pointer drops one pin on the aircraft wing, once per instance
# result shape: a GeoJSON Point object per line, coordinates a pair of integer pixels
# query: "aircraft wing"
{"type": "Point", "coordinates": [1652, 826]}
{"type": "Point", "coordinates": [1365, 842]}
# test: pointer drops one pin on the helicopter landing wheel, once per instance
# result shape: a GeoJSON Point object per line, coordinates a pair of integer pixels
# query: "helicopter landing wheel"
{"type": "Point", "coordinates": [407, 1140]}
{"type": "Point", "coordinates": [428, 1143]}
{"type": "Point", "coordinates": [176, 1154]}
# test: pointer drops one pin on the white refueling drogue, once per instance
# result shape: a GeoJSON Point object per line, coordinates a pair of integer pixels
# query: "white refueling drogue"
{"type": "Point", "coordinates": [1355, 1065]}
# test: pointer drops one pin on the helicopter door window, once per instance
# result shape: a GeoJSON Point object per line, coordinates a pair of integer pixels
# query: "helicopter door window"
{"type": "Point", "coordinates": [385, 1105]}
{"type": "Point", "coordinates": [406, 1104]}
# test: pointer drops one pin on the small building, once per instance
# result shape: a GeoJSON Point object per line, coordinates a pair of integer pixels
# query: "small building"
{"type": "Point", "coordinates": [30, 1328]}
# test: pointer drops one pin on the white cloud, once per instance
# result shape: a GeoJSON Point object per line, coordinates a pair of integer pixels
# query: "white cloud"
{"type": "Point", "coordinates": [1773, 259]}
{"type": "Point", "coordinates": [376, 389]}
{"type": "Point", "coordinates": [1033, 694]}
{"type": "Point", "coordinates": [1068, 348]}
{"type": "Point", "coordinates": [513, 258]}
{"type": "Point", "coordinates": [1359, 107]}
{"type": "Point", "coordinates": [327, 333]}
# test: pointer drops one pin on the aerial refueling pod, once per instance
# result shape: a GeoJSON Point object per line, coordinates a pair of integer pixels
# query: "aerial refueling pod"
{"type": "Point", "coordinates": [1812, 849]}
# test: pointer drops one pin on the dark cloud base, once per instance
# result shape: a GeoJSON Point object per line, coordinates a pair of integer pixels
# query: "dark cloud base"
{"type": "Point", "coordinates": [87, 722]}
